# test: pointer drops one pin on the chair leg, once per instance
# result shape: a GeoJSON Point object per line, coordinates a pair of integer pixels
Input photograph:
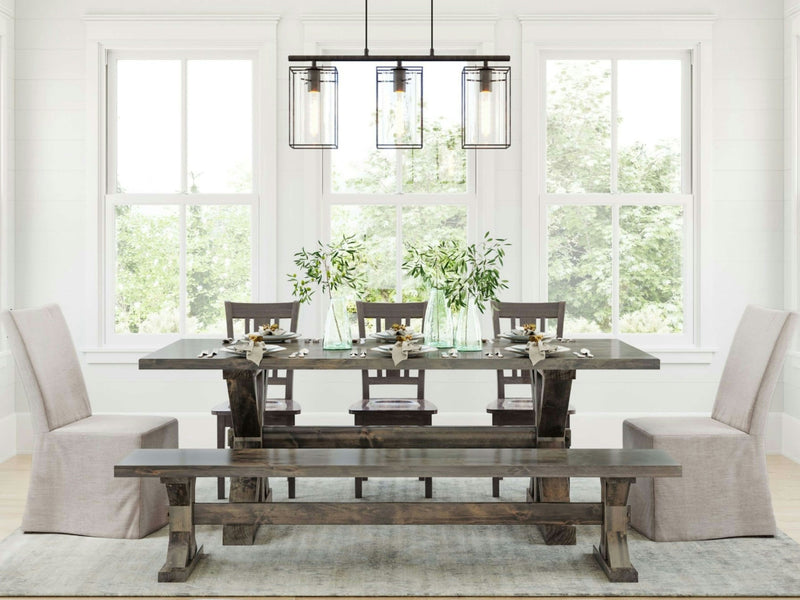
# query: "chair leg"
{"type": "Point", "coordinates": [290, 482]}
{"type": "Point", "coordinates": [428, 487]}
{"type": "Point", "coordinates": [496, 487]}
{"type": "Point", "coordinates": [220, 444]}
{"type": "Point", "coordinates": [359, 490]}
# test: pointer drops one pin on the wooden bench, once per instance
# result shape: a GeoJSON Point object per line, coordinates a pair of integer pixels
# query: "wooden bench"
{"type": "Point", "coordinates": [179, 468]}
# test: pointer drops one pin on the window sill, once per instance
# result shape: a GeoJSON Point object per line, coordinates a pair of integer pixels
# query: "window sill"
{"type": "Point", "coordinates": [116, 355]}
{"type": "Point", "coordinates": [682, 355]}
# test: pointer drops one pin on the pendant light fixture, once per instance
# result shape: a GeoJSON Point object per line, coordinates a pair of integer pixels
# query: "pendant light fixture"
{"type": "Point", "coordinates": [398, 107]}
{"type": "Point", "coordinates": [313, 107]}
{"type": "Point", "coordinates": [485, 107]}
{"type": "Point", "coordinates": [485, 99]}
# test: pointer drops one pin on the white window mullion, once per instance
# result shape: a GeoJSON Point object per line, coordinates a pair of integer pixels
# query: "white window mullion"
{"type": "Point", "coordinates": [182, 275]}
{"type": "Point", "coordinates": [398, 289]}
{"type": "Point", "coordinates": [615, 269]}
{"type": "Point", "coordinates": [184, 130]}
{"type": "Point", "coordinates": [614, 144]}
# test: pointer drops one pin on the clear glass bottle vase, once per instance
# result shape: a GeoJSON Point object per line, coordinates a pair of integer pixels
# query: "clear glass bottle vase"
{"type": "Point", "coordinates": [438, 322]}
{"type": "Point", "coordinates": [337, 326]}
{"type": "Point", "coordinates": [468, 328]}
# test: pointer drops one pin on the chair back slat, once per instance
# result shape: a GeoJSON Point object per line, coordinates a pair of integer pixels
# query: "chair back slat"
{"type": "Point", "coordinates": [509, 315]}
{"type": "Point", "coordinates": [255, 314]}
{"type": "Point", "coordinates": [384, 315]}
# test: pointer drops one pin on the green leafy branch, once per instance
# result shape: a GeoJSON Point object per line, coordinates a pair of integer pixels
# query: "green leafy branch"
{"type": "Point", "coordinates": [461, 272]}
{"type": "Point", "coordinates": [477, 274]}
{"type": "Point", "coordinates": [433, 264]}
{"type": "Point", "coordinates": [331, 267]}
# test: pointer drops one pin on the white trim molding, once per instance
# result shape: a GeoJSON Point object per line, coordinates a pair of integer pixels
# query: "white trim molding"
{"type": "Point", "coordinates": [8, 437]}
{"type": "Point", "coordinates": [256, 33]}
{"type": "Point", "coordinates": [542, 33]}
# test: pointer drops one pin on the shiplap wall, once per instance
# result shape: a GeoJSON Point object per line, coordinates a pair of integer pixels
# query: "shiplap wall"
{"type": "Point", "coordinates": [53, 237]}
{"type": "Point", "coordinates": [8, 421]}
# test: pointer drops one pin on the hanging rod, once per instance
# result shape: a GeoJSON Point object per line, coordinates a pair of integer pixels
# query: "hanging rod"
{"type": "Point", "coordinates": [401, 57]}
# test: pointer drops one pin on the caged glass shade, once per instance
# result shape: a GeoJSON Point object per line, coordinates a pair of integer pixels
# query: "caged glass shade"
{"type": "Point", "coordinates": [313, 107]}
{"type": "Point", "coordinates": [398, 116]}
{"type": "Point", "coordinates": [485, 107]}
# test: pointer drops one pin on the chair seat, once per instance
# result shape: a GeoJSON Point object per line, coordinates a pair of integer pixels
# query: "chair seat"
{"type": "Point", "coordinates": [723, 491]}
{"type": "Point", "coordinates": [681, 427]}
{"type": "Point", "coordinates": [393, 405]}
{"type": "Point", "coordinates": [72, 489]}
{"type": "Point", "coordinates": [271, 405]}
{"type": "Point", "coordinates": [514, 404]}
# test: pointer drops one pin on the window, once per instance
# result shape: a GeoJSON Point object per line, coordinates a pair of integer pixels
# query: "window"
{"type": "Point", "coordinates": [181, 198]}
{"type": "Point", "coordinates": [617, 194]}
{"type": "Point", "coordinates": [390, 198]}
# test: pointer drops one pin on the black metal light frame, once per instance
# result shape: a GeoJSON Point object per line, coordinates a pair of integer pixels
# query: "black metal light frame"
{"type": "Point", "coordinates": [393, 71]}
{"type": "Point", "coordinates": [478, 74]}
{"type": "Point", "coordinates": [332, 74]}
{"type": "Point", "coordinates": [402, 58]}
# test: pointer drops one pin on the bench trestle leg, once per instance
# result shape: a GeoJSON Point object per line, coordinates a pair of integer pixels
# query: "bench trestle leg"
{"type": "Point", "coordinates": [182, 552]}
{"type": "Point", "coordinates": [613, 552]}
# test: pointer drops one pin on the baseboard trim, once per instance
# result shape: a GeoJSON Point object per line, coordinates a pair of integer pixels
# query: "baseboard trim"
{"type": "Point", "coordinates": [791, 437]}
{"type": "Point", "coordinates": [590, 430]}
{"type": "Point", "coordinates": [8, 436]}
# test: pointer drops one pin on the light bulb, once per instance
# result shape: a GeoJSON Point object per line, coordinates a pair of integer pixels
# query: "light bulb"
{"type": "Point", "coordinates": [485, 105]}
{"type": "Point", "coordinates": [313, 114]}
{"type": "Point", "coordinates": [314, 84]}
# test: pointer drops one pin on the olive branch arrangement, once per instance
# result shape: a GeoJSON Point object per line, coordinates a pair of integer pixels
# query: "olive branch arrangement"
{"type": "Point", "coordinates": [331, 267]}
{"type": "Point", "coordinates": [461, 272]}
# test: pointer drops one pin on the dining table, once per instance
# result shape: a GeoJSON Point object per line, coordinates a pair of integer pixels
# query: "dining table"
{"type": "Point", "coordinates": [552, 386]}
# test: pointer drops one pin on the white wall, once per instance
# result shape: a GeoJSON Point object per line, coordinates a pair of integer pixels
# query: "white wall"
{"type": "Point", "coordinates": [8, 421]}
{"type": "Point", "coordinates": [747, 204]}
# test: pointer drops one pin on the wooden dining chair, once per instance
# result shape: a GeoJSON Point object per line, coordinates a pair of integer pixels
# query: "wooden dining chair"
{"type": "Point", "coordinates": [391, 411]}
{"type": "Point", "coordinates": [516, 410]}
{"type": "Point", "coordinates": [277, 411]}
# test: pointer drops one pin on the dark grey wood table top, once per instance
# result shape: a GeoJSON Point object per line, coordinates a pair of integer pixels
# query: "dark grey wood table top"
{"type": "Point", "coordinates": [608, 354]}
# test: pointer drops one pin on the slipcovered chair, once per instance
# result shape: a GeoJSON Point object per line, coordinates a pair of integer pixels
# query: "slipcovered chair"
{"type": "Point", "coordinates": [724, 490]}
{"type": "Point", "coordinates": [72, 486]}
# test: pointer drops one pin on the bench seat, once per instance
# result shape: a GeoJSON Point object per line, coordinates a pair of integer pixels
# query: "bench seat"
{"type": "Point", "coordinates": [179, 468]}
{"type": "Point", "coordinates": [398, 462]}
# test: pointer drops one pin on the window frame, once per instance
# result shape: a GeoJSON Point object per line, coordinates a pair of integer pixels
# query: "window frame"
{"type": "Point", "coordinates": [633, 33]}
{"type": "Point", "coordinates": [255, 33]}
{"type": "Point", "coordinates": [616, 199]}
{"type": "Point", "coordinates": [182, 199]}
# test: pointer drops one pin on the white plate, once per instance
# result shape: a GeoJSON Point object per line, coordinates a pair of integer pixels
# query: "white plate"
{"type": "Point", "coordinates": [548, 349]}
{"type": "Point", "coordinates": [268, 349]}
{"type": "Point", "coordinates": [515, 337]}
{"type": "Point", "coordinates": [285, 336]}
{"type": "Point", "coordinates": [391, 335]}
{"type": "Point", "coordinates": [387, 349]}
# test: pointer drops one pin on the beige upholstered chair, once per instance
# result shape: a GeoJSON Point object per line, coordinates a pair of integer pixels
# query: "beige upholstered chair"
{"type": "Point", "coordinates": [72, 486]}
{"type": "Point", "coordinates": [724, 490]}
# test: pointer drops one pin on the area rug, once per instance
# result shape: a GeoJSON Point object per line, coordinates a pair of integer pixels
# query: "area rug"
{"type": "Point", "coordinates": [397, 560]}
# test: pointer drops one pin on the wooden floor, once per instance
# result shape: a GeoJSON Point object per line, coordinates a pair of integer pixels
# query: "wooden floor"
{"type": "Point", "coordinates": [783, 473]}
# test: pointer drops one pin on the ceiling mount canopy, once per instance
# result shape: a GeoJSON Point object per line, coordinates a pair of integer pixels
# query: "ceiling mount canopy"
{"type": "Point", "coordinates": [485, 98]}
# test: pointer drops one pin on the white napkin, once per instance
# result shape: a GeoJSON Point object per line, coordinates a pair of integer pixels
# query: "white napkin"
{"type": "Point", "coordinates": [400, 351]}
{"type": "Point", "coordinates": [273, 331]}
{"type": "Point", "coordinates": [254, 351]}
{"type": "Point", "coordinates": [536, 352]}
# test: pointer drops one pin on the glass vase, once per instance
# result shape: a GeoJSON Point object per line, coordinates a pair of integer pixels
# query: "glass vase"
{"type": "Point", "coordinates": [438, 322]}
{"type": "Point", "coordinates": [468, 329]}
{"type": "Point", "coordinates": [337, 326]}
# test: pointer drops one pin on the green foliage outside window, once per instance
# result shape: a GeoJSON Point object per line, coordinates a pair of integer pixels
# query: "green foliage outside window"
{"type": "Point", "coordinates": [579, 236]}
